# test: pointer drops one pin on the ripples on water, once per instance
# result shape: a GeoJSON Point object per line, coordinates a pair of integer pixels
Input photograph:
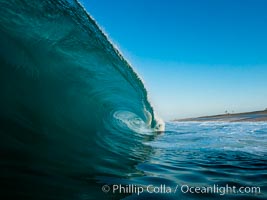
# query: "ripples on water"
{"type": "Point", "coordinates": [207, 154]}
{"type": "Point", "coordinates": [72, 110]}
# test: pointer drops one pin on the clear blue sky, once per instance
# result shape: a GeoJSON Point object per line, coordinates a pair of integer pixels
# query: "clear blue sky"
{"type": "Point", "coordinates": [195, 57]}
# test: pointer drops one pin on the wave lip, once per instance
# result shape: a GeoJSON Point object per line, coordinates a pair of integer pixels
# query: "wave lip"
{"type": "Point", "coordinates": [71, 105]}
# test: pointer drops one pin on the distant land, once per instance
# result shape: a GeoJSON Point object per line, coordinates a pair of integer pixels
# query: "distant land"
{"type": "Point", "coordinates": [255, 116]}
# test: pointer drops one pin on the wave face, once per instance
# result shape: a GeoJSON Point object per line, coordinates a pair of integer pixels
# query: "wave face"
{"type": "Point", "coordinates": [71, 108]}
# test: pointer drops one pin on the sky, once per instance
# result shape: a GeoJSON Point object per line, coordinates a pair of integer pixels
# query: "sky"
{"type": "Point", "coordinates": [195, 57]}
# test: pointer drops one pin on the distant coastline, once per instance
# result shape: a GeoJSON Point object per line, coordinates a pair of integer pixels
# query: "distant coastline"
{"type": "Point", "coordinates": [255, 116]}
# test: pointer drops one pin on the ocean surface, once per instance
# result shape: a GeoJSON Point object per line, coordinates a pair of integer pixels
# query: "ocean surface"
{"type": "Point", "coordinates": [76, 122]}
{"type": "Point", "coordinates": [206, 154]}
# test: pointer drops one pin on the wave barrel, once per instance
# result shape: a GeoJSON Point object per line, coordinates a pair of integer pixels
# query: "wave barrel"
{"type": "Point", "coordinates": [71, 107]}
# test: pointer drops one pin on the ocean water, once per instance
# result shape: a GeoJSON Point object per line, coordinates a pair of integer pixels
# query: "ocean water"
{"type": "Point", "coordinates": [71, 107]}
{"type": "Point", "coordinates": [76, 121]}
{"type": "Point", "coordinates": [213, 155]}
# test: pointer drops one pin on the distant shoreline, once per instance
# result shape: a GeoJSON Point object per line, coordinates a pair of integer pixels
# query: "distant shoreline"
{"type": "Point", "coordinates": [255, 116]}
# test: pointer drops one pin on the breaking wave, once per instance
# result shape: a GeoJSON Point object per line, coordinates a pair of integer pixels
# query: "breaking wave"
{"type": "Point", "coordinates": [72, 108]}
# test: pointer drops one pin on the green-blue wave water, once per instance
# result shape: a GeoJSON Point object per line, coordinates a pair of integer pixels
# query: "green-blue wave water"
{"type": "Point", "coordinates": [71, 108]}
{"type": "Point", "coordinates": [75, 120]}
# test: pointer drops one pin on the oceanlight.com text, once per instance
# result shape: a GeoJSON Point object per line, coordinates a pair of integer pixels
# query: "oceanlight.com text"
{"type": "Point", "coordinates": [185, 189]}
{"type": "Point", "coordinates": [221, 190]}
